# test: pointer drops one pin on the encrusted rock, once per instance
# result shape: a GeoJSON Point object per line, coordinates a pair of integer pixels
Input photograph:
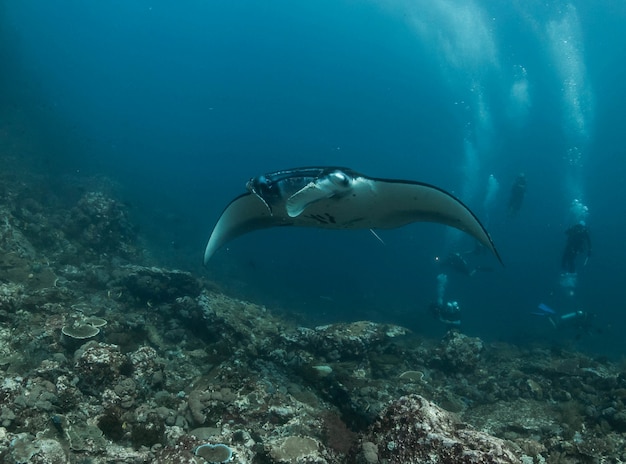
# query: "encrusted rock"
{"type": "Point", "coordinates": [459, 352]}
{"type": "Point", "coordinates": [532, 417]}
{"type": "Point", "coordinates": [39, 394]}
{"type": "Point", "coordinates": [97, 365]}
{"type": "Point", "coordinates": [126, 390]}
{"type": "Point", "coordinates": [367, 454]}
{"type": "Point", "coordinates": [413, 430]}
{"type": "Point", "coordinates": [25, 448]}
{"type": "Point", "coordinates": [154, 285]}
{"type": "Point", "coordinates": [100, 225]}
{"type": "Point", "coordinates": [11, 295]}
{"type": "Point", "coordinates": [147, 430]}
{"type": "Point", "coordinates": [147, 367]}
{"type": "Point", "coordinates": [84, 437]}
{"type": "Point", "coordinates": [344, 341]}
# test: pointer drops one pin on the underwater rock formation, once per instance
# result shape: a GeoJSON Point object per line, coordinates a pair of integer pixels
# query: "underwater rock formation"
{"type": "Point", "coordinates": [97, 365]}
{"type": "Point", "coordinates": [413, 430]}
{"type": "Point", "coordinates": [458, 352]}
{"type": "Point", "coordinates": [340, 342]}
{"type": "Point", "coordinates": [99, 224]}
{"type": "Point", "coordinates": [156, 285]}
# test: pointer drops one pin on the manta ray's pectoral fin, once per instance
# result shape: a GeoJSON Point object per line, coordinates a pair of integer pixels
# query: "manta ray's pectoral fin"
{"type": "Point", "coordinates": [396, 203]}
{"type": "Point", "coordinates": [244, 214]}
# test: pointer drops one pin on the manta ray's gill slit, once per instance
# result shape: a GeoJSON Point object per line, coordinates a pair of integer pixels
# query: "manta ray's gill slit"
{"type": "Point", "coordinates": [326, 218]}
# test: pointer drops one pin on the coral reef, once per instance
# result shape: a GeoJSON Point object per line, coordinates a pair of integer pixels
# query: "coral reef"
{"type": "Point", "coordinates": [105, 357]}
{"type": "Point", "coordinates": [214, 453]}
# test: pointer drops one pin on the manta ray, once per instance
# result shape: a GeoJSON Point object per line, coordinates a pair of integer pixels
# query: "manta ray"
{"type": "Point", "coordinates": [340, 198]}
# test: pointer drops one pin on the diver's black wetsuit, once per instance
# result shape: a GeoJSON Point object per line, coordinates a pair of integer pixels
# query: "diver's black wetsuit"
{"type": "Point", "coordinates": [456, 262]}
{"type": "Point", "coordinates": [578, 241]}
{"type": "Point", "coordinates": [516, 198]}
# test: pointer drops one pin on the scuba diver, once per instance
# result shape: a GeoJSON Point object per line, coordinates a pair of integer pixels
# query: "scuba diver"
{"type": "Point", "coordinates": [578, 242]}
{"type": "Point", "coordinates": [581, 321]}
{"type": "Point", "coordinates": [449, 313]}
{"type": "Point", "coordinates": [516, 197]}
{"type": "Point", "coordinates": [458, 263]}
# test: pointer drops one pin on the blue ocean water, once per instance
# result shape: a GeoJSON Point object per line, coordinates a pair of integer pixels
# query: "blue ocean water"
{"type": "Point", "coordinates": [181, 103]}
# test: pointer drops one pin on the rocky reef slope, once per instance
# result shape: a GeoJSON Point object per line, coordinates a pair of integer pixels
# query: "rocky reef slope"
{"type": "Point", "coordinates": [105, 358]}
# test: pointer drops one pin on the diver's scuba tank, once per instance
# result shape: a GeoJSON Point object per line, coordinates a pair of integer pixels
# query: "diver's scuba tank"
{"type": "Point", "coordinates": [573, 315]}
